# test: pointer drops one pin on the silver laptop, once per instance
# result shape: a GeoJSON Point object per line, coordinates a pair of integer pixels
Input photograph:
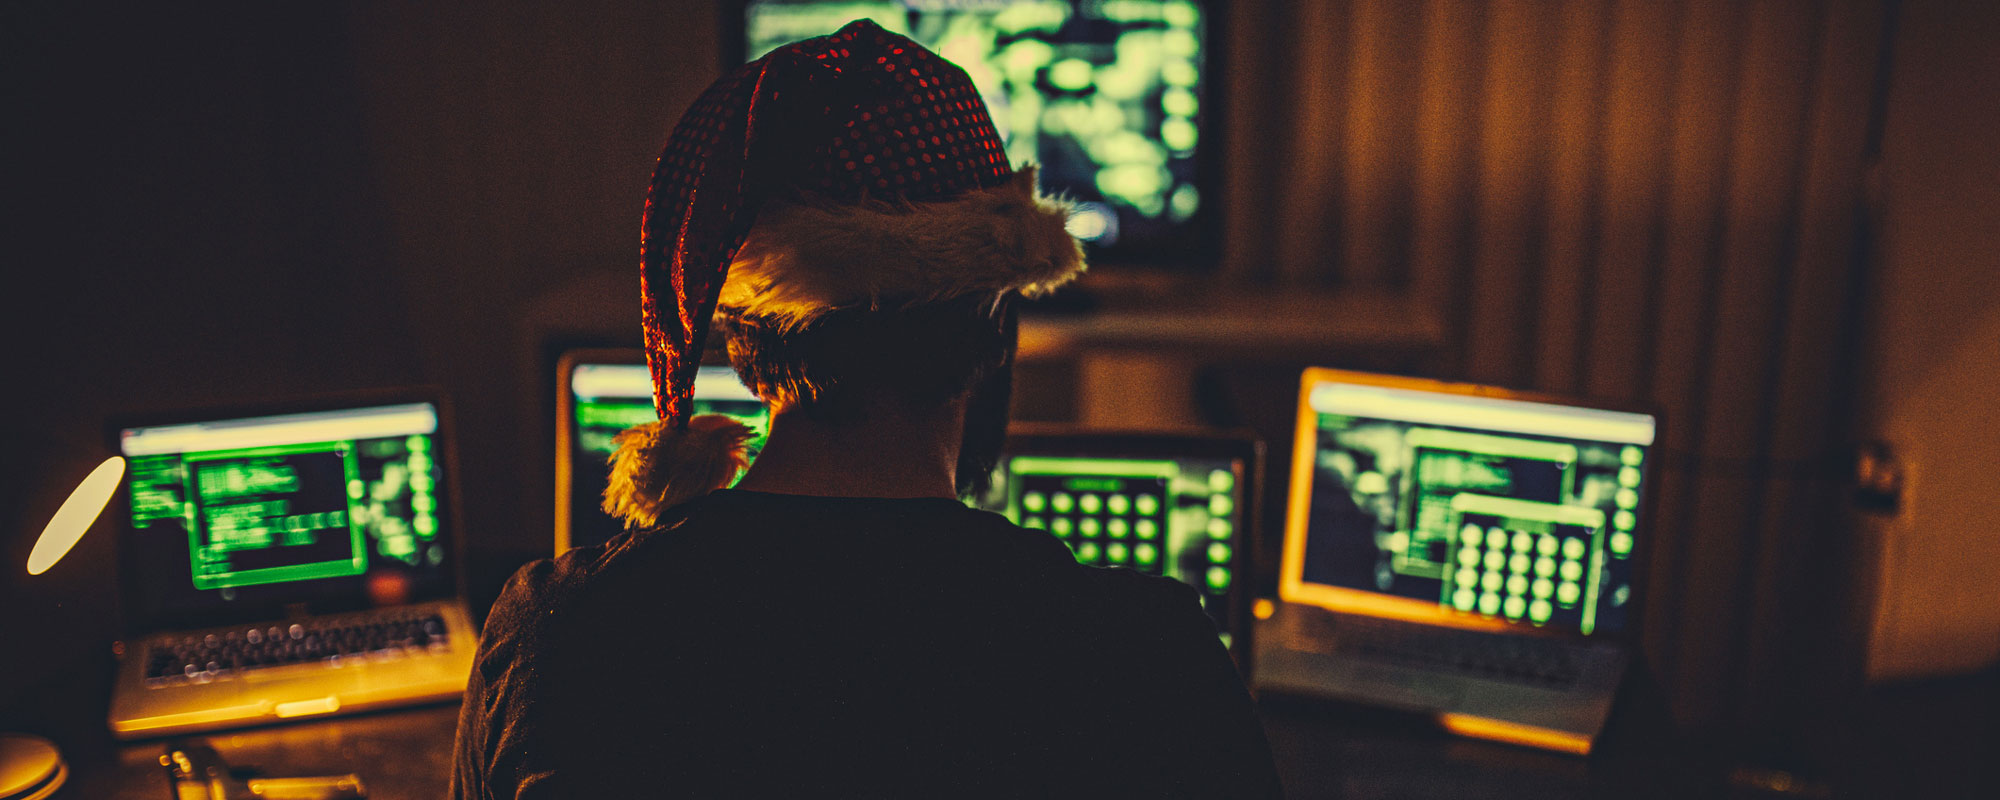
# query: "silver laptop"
{"type": "Point", "coordinates": [1462, 551]}
{"type": "Point", "coordinates": [601, 392]}
{"type": "Point", "coordinates": [288, 565]}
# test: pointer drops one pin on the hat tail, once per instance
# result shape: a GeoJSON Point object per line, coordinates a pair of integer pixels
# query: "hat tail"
{"type": "Point", "coordinates": [657, 467]}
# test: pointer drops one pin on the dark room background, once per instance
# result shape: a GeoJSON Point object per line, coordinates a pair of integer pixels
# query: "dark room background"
{"type": "Point", "coordinates": [1773, 221]}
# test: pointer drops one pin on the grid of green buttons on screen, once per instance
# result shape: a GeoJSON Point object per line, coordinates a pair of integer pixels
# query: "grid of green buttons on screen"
{"type": "Point", "coordinates": [1121, 521]}
{"type": "Point", "coordinates": [1117, 528]}
{"type": "Point", "coordinates": [1517, 573]}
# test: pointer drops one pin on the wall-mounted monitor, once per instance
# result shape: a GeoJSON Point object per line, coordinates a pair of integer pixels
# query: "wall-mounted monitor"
{"type": "Point", "coordinates": [1112, 98]}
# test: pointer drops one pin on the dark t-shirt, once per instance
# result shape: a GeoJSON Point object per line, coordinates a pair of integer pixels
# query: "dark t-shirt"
{"type": "Point", "coordinates": [758, 644]}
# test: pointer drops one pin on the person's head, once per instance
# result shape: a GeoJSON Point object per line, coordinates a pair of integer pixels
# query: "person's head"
{"type": "Point", "coordinates": [845, 213]}
{"type": "Point", "coordinates": [850, 361]}
{"type": "Point", "coordinates": [852, 365]}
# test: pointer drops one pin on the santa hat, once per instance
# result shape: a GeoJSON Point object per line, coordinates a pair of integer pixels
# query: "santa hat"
{"type": "Point", "coordinates": [851, 171]}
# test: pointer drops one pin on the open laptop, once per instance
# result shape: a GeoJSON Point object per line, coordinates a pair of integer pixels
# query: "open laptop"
{"type": "Point", "coordinates": [1460, 550]}
{"type": "Point", "coordinates": [288, 563]}
{"type": "Point", "coordinates": [602, 392]}
{"type": "Point", "coordinates": [1176, 504]}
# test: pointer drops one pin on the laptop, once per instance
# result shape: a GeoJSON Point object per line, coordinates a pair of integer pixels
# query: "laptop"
{"type": "Point", "coordinates": [602, 392]}
{"type": "Point", "coordinates": [1462, 551]}
{"type": "Point", "coordinates": [1176, 504]}
{"type": "Point", "coordinates": [288, 563]}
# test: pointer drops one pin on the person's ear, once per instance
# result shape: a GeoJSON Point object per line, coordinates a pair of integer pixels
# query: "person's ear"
{"type": "Point", "coordinates": [986, 411]}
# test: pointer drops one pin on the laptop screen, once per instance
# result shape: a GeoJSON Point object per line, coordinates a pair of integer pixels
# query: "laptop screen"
{"type": "Point", "coordinates": [605, 396]}
{"type": "Point", "coordinates": [1161, 504]}
{"type": "Point", "coordinates": [1464, 506]}
{"type": "Point", "coordinates": [235, 519]}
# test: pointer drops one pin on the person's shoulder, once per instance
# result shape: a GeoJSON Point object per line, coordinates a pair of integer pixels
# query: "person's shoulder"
{"type": "Point", "coordinates": [533, 594]}
{"type": "Point", "coordinates": [1139, 593]}
{"type": "Point", "coordinates": [1107, 588]}
{"type": "Point", "coordinates": [991, 530]}
{"type": "Point", "coordinates": [541, 590]}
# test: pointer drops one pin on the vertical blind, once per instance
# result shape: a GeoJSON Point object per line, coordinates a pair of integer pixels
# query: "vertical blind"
{"type": "Point", "coordinates": [1638, 200]}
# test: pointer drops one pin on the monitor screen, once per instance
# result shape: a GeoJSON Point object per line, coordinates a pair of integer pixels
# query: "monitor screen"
{"type": "Point", "coordinates": [1457, 505]}
{"type": "Point", "coordinates": [607, 397]}
{"type": "Point", "coordinates": [239, 518]}
{"type": "Point", "coordinates": [1107, 96]}
{"type": "Point", "coordinates": [1147, 508]}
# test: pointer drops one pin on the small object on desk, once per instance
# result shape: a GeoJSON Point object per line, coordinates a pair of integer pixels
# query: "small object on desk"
{"type": "Point", "coordinates": [30, 767]}
{"type": "Point", "coordinates": [196, 770]}
{"type": "Point", "coordinates": [1777, 782]}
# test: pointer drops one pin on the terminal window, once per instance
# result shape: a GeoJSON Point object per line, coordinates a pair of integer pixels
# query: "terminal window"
{"type": "Point", "coordinates": [1531, 529]}
{"type": "Point", "coordinates": [293, 512]}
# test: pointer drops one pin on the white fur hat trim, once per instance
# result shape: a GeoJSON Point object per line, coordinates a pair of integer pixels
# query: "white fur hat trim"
{"type": "Point", "coordinates": [804, 259]}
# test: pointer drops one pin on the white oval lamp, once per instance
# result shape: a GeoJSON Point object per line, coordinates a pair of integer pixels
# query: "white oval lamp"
{"type": "Point", "coordinates": [31, 768]}
{"type": "Point", "coordinates": [76, 514]}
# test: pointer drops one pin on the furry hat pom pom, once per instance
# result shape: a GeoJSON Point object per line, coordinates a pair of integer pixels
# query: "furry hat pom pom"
{"type": "Point", "coordinates": [656, 467]}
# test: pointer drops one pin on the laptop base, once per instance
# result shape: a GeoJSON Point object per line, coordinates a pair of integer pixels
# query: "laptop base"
{"type": "Point", "coordinates": [1308, 651]}
{"type": "Point", "coordinates": [388, 677]}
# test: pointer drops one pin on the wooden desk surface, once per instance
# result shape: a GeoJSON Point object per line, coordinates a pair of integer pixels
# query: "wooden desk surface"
{"type": "Point", "coordinates": [1322, 751]}
{"type": "Point", "coordinates": [398, 754]}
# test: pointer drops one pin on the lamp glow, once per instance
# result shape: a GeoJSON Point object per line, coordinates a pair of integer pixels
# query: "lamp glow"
{"type": "Point", "coordinates": [76, 515]}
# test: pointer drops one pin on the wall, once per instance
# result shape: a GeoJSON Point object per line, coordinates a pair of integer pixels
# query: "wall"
{"type": "Point", "coordinates": [1642, 201]}
{"type": "Point", "coordinates": [1934, 365]}
{"type": "Point", "coordinates": [240, 202]}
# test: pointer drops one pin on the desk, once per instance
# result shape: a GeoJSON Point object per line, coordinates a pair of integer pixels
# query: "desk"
{"type": "Point", "coordinates": [398, 754]}
{"type": "Point", "coordinates": [1333, 750]}
{"type": "Point", "coordinates": [1936, 736]}
{"type": "Point", "coordinates": [1322, 751]}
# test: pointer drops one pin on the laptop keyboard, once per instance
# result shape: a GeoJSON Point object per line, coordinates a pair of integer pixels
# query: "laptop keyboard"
{"type": "Point", "coordinates": [219, 655]}
{"type": "Point", "coordinates": [1533, 661]}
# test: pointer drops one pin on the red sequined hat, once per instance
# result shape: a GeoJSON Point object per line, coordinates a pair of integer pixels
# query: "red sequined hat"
{"type": "Point", "coordinates": [855, 170]}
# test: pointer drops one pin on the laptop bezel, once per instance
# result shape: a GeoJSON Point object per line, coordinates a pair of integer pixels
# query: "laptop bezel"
{"type": "Point", "coordinates": [566, 425]}
{"type": "Point", "coordinates": [120, 508]}
{"type": "Point", "coordinates": [1361, 602]}
{"type": "Point", "coordinates": [1244, 445]}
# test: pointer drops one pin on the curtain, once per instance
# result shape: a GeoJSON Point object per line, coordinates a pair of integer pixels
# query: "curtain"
{"type": "Point", "coordinates": [1642, 201]}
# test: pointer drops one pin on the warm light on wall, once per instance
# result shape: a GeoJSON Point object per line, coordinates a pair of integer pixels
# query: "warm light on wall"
{"type": "Point", "coordinates": [76, 514]}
